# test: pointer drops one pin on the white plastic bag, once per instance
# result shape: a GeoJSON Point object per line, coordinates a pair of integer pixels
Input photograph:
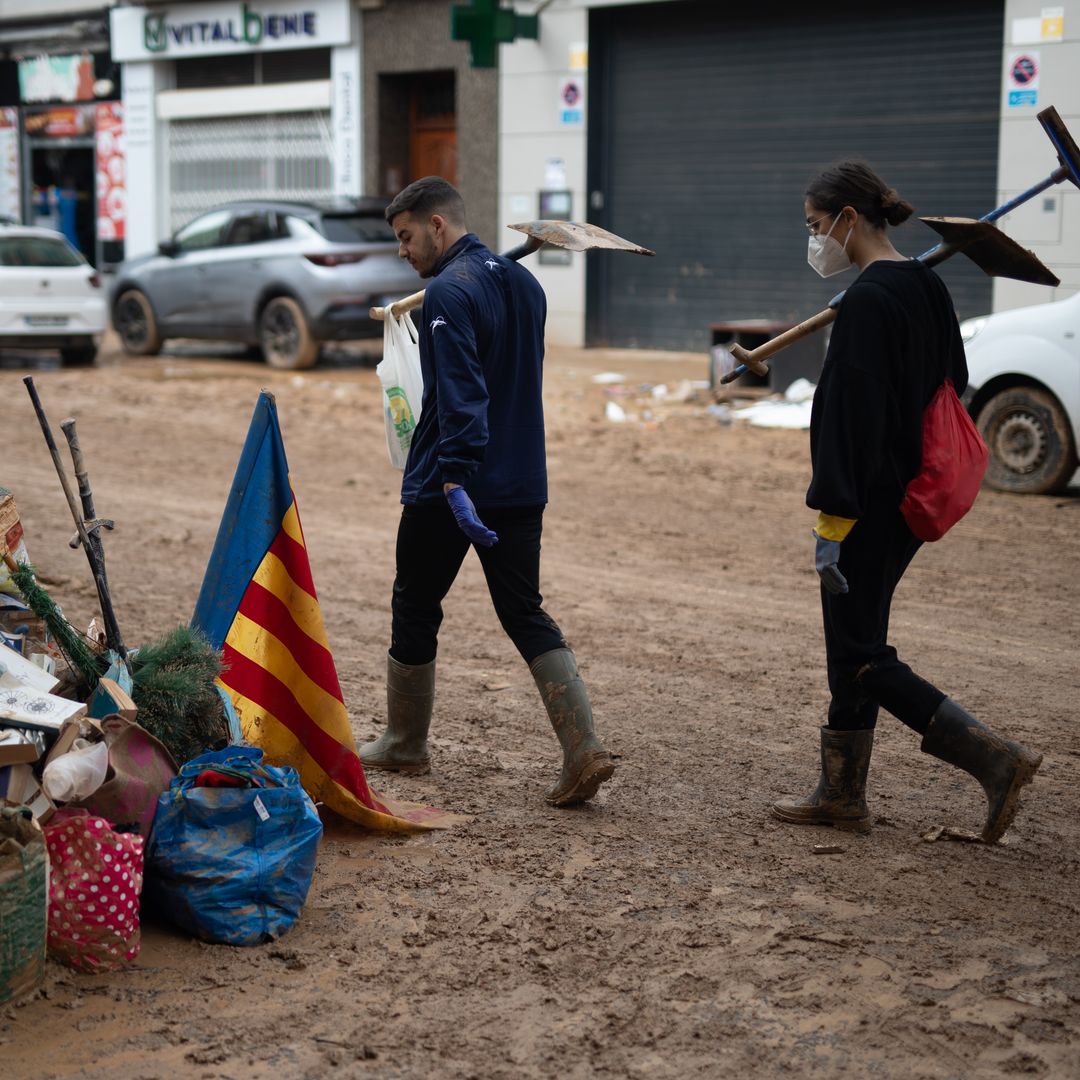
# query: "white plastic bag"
{"type": "Point", "coordinates": [78, 773]}
{"type": "Point", "coordinates": [403, 386]}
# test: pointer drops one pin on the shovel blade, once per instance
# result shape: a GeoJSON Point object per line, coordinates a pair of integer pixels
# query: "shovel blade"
{"type": "Point", "coordinates": [991, 250]}
{"type": "Point", "coordinates": [575, 236]}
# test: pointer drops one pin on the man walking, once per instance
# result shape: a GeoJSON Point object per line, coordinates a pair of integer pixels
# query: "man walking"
{"type": "Point", "coordinates": [476, 474]}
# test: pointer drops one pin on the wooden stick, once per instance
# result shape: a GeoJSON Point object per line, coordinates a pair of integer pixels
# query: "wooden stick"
{"type": "Point", "coordinates": [753, 358]}
{"type": "Point", "coordinates": [398, 307]}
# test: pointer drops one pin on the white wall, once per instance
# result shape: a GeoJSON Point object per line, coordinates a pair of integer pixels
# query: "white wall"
{"type": "Point", "coordinates": [530, 133]}
{"type": "Point", "coordinates": [1050, 223]}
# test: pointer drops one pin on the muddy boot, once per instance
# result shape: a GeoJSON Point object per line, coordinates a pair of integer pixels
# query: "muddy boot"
{"type": "Point", "coordinates": [840, 797]}
{"type": "Point", "coordinates": [410, 695]}
{"type": "Point", "coordinates": [586, 764]}
{"type": "Point", "coordinates": [1002, 767]}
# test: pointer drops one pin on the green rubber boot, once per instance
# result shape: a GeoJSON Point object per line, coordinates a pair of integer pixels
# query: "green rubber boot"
{"type": "Point", "coordinates": [410, 696]}
{"type": "Point", "coordinates": [586, 764]}
{"type": "Point", "coordinates": [1000, 765]}
{"type": "Point", "coordinates": [840, 797]}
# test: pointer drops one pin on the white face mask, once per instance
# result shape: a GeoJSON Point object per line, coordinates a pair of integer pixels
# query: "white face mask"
{"type": "Point", "coordinates": [827, 255]}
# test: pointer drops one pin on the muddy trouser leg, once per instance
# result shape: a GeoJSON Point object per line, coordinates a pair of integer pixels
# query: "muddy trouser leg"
{"type": "Point", "coordinates": [512, 569]}
{"type": "Point", "coordinates": [864, 671]}
{"type": "Point", "coordinates": [430, 550]}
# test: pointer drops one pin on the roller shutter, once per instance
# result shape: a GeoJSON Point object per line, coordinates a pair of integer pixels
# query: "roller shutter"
{"type": "Point", "coordinates": [275, 156]}
{"type": "Point", "coordinates": [706, 121]}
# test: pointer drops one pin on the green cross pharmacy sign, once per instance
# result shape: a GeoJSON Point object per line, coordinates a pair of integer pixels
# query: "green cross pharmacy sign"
{"type": "Point", "coordinates": [485, 24]}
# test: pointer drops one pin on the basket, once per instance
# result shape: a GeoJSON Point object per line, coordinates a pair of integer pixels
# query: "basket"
{"type": "Point", "coordinates": [23, 905]}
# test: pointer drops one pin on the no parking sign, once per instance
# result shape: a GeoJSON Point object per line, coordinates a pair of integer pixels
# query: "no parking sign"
{"type": "Point", "coordinates": [1022, 78]}
{"type": "Point", "coordinates": [572, 102]}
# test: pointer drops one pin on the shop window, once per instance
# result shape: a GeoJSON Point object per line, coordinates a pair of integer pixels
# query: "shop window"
{"type": "Point", "coordinates": [252, 69]}
{"type": "Point", "coordinates": [198, 72]}
{"type": "Point", "coordinates": [295, 65]}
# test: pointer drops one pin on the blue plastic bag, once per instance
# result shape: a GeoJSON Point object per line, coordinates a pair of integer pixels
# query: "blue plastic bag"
{"type": "Point", "coordinates": [233, 864]}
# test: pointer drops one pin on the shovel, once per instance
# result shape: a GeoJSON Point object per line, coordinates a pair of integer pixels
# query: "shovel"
{"type": "Point", "coordinates": [989, 248]}
{"type": "Point", "coordinates": [571, 235]}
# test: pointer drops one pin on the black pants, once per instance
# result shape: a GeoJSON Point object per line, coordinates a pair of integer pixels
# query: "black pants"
{"type": "Point", "coordinates": [430, 551]}
{"type": "Point", "coordinates": [864, 670]}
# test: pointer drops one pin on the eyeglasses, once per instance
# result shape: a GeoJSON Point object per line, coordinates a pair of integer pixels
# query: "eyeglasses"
{"type": "Point", "coordinates": [811, 226]}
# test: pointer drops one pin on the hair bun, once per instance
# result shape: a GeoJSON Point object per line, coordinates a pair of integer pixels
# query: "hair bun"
{"type": "Point", "coordinates": [894, 209]}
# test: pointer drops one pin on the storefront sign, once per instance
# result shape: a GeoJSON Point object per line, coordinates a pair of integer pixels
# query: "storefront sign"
{"type": "Point", "coordinates": [110, 180]}
{"type": "Point", "coordinates": [56, 78]}
{"type": "Point", "coordinates": [247, 26]}
{"type": "Point", "coordinates": [60, 123]}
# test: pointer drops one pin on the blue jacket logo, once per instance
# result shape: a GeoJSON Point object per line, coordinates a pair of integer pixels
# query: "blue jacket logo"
{"type": "Point", "coordinates": [437, 322]}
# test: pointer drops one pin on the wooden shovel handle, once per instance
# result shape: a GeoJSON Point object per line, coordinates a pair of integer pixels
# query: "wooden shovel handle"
{"type": "Point", "coordinates": [398, 307]}
{"type": "Point", "coordinates": [753, 358]}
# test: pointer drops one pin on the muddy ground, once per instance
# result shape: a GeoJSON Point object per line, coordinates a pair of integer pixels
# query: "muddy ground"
{"type": "Point", "coordinates": [671, 929]}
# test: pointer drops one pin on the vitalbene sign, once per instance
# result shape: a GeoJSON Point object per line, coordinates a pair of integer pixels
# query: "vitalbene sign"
{"type": "Point", "coordinates": [205, 29]}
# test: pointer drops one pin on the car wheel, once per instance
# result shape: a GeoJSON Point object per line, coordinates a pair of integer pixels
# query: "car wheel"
{"type": "Point", "coordinates": [284, 335]}
{"type": "Point", "coordinates": [1031, 446]}
{"type": "Point", "coordinates": [79, 355]}
{"type": "Point", "coordinates": [133, 318]}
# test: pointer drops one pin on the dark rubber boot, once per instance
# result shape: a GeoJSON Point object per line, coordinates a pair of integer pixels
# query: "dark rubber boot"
{"type": "Point", "coordinates": [410, 696]}
{"type": "Point", "coordinates": [586, 764]}
{"type": "Point", "coordinates": [1002, 767]}
{"type": "Point", "coordinates": [840, 797]}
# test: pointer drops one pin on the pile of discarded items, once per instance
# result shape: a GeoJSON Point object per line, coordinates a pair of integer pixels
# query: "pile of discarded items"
{"type": "Point", "coordinates": [124, 781]}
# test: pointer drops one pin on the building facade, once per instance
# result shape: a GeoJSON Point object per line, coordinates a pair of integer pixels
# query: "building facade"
{"type": "Point", "coordinates": [59, 109]}
{"type": "Point", "coordinates": [692, 127]}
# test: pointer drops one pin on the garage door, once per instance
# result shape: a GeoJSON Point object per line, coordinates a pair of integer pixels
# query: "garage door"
{"type": "Point", "coordinates": [705, 126]}
{"type": "Point", "coordinates": [277, 156]}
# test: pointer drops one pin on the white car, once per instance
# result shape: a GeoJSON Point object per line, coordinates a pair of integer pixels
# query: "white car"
{"type": "Point", "coordinates": [1024, 393]}
{"type": "Point", "coordinates": [50, 296]}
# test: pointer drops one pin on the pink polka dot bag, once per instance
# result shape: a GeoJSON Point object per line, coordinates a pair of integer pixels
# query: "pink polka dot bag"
{"type": "Point", "coordinates": [96, 878]}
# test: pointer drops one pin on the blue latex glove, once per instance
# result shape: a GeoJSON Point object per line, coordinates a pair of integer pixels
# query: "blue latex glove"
{"type": "Point", "coordinates": [826, 558]}
{"type": "Point", "coordinates": [465, 515]}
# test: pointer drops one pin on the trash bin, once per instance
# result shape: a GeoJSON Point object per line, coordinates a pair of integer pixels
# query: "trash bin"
{"type": "Point", "coordinates": [803, 360]}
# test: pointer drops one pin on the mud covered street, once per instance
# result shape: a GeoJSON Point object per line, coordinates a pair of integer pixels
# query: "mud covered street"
{"type": "Point", "coordinates": [671, 929]}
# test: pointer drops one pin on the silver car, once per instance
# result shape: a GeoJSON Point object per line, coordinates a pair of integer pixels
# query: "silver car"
{"type": "Point", "coordinates": [285, 276]}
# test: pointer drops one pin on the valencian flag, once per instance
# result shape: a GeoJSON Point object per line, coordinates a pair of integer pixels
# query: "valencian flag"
{"type": "Point", "coordinates": [258, 605]}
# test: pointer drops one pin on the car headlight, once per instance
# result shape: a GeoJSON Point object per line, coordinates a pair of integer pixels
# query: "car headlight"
{"type": "Point", "coordinates": [970, 327]}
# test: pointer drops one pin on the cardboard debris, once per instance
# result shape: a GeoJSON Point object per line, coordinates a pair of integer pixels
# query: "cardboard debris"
{"type": "Point", "coordinates": [20, 747]}
{"type": "Point", "coordinates": [109, 697]}
{"type": "Point", "coordinates": [18, 672]}
{"type": "Point", "coordinates": [18, 785]}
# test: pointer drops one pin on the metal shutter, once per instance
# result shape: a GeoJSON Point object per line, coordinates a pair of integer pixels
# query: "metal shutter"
{"type": "Point", "coordinates": [706, 122]}
{"type": "Point", "coordinates": [276, 156]}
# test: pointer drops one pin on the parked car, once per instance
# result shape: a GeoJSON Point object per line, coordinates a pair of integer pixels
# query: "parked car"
{"type": "Point", "coordinates": [1024, 393]}
{"type": "Point", "coordinates": [50, 296]}
{"type": "Point", "coordinates": [286, 276]}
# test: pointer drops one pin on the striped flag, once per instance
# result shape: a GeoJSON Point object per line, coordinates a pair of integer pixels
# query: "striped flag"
{"type": "Point", "coordinates": [258, 605]}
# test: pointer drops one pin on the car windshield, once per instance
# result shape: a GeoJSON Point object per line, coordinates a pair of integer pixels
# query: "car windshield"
{"type": "Point", "coordinates": [37, 251]}
{"type": "Point", "coordinates": [351, 228]}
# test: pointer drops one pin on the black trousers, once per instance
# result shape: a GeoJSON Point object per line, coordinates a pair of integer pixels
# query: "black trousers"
{"type": "Point", "coordinates": [430, 551]}
{"type": "Point", "coordinates": [864, 670]}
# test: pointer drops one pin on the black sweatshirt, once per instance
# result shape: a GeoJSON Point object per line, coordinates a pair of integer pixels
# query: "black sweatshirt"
{"type": "Point", "coordinates": [894, 342]}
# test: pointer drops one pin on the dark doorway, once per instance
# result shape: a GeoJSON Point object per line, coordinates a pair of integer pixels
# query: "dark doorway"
{"type": "Point", "coordinates": [62, 195]}
{"type": "Point", "coordinates": [417, 128]}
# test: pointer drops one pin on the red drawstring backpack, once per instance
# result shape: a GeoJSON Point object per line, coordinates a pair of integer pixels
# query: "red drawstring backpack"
{"type": "Point", "coordinates": [954, 459]}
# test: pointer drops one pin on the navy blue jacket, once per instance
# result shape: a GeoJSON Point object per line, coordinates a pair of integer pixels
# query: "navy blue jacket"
{"type": "Point", "coordinates": [482, 355]}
